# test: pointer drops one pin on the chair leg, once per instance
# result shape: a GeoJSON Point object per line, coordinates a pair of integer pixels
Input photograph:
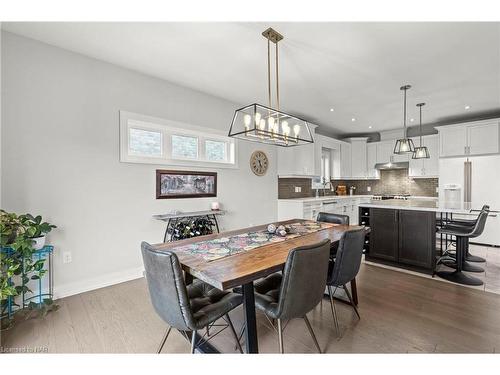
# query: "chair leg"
{"type": "Point", "coordinates": [193, 342]}
{"type": "Point", "coordinates": [164, 339]}
{"type": "Point", "coordinates": [312, 333]}
{"type": "Point", "coordinates": [238, 344]}
{"type": "Point", "coordinates": [352, 302]}
{"type": "Point", "coordinates": [280, 337]}
{"type": "Point", "coordinates": [334, 312]}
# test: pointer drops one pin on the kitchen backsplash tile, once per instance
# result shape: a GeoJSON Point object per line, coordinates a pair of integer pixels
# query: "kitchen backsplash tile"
{"type": "Point", "coordinates": [392, 181]}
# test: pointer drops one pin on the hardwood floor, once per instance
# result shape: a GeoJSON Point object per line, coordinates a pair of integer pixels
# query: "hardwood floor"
{"type": "Point", "coordinates": [399, 313]}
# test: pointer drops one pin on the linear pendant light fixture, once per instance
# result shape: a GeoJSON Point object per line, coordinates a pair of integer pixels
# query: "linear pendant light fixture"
{"type": "Point", "coordinates": [265, 124]}
{"type": "Point", "coordinates": [420, 152]}
{"type": "Point", "coordinates": [405, 144]}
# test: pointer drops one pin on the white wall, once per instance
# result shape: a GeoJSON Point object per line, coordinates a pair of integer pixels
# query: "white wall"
{"type": "Point", "coordinates": [60, 159]}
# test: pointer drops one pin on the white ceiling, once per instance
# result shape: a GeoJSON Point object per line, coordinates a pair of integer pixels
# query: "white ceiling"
{"type": "Point", "coordinates": [355, 68]}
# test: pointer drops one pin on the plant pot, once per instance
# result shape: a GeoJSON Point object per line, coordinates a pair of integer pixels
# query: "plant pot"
{"type": "Point", "coordinates": [39, 242]}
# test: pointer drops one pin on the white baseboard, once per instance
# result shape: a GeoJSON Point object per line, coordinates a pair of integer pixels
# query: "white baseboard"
{"type": "Point", "coordinates": [97, 282]}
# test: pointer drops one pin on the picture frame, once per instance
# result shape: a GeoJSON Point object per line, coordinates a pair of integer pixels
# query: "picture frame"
{"type": "Point", "coordinates": [171, 184]}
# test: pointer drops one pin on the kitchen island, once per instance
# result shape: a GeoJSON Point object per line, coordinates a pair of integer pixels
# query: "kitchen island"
{"type": "Point", "coordinates": [403, 232]}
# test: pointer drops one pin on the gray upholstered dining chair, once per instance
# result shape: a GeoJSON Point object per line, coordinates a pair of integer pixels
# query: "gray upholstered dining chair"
{"type": "Point", "coordinates": [328, 217]}
{"type": "Point", "coordinates": [345, 267]}
{"type": "Point", "coordinates": [186, 308]}
{"type": "Point", "coordinates": [296, 291]}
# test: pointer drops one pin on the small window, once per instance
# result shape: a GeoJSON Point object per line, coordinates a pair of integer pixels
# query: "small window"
{"type": "Point", "coordinates": [145, 142]}
{"type": "Point", "coordinates": [184, 147]}
{"type": "Point", "coordinates": [215, 150]}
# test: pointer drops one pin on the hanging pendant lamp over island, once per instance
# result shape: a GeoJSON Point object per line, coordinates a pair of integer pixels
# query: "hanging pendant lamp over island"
{"type": "Point", "coordinates": [421, 152]}
{"type": "Point", "coordinates": [405, 144]}
{"type": "Point", "coordinates": [267, 124]}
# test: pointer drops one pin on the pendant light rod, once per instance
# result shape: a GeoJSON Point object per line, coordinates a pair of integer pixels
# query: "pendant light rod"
{"type": "Point", "coordinates": [273, 36]}
{"type": "Point", "coordinates": [277, 80]}
{"type": "Point", "coordinates": [404, 88]}
{"type": "Point", "coordinates": [269, 72]}
{"type": "Point", "coordinates": [420, 105]}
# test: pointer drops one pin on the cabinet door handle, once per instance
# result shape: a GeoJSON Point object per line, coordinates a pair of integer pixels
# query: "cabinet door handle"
{"type": "Point", "coordinates": [465, 150]}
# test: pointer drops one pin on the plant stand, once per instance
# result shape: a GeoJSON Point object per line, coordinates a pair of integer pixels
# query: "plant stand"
{"type": "Point", "coordinates": [39, 294]}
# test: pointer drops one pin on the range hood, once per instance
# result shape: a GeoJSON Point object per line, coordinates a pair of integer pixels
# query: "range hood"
{"type": "Point", "coordinates": [395, 165]}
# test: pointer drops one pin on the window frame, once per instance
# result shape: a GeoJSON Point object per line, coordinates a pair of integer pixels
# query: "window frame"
{"type": "Point", "coordinates": [167, 128]}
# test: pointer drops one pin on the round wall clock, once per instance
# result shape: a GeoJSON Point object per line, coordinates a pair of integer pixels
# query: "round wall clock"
{"type": "Point", "coordinates": [259, 163]}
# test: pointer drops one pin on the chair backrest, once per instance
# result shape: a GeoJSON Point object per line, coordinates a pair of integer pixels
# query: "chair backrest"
{"type": "Point", "coordinates": [348, 258]}
{"type": "Point", "coordinates": [480, 223]}
{"type": "Point", "coordinates": [304, 280]}
{"type": "Point", "coordinates": [166, 286]}
{"type": "Point", "coordinates": [328, 217]}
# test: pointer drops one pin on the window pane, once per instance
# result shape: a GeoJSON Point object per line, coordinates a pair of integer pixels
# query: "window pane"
{"type": "Point", "coordinates": [184, 147]}
{"type": "Point", "coordinates": [215, 150]}
{"type": "Point", "coordinates": [145, 142]}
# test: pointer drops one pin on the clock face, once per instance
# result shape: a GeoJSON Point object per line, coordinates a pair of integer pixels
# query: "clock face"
{"type": "Point", "coordinates": [259, 163]}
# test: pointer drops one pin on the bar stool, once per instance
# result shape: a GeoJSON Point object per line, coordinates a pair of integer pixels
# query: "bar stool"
{"type": "Point", "coordinates": [462, 234]}
{"type": "Point", "coordinates": [468, 256]}
{"type": "Point", "coordinates": [449, 259]}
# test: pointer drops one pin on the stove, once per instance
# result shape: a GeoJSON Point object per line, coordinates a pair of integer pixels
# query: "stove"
{"type": "Point", "coordinates": [383, 197]}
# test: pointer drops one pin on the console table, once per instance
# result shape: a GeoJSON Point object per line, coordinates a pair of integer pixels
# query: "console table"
{"type": "Point", "coordinates": [173, 219]}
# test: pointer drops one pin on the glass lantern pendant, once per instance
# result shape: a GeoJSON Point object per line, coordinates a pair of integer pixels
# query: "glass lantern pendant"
{"type": "Point", "coordinates": [420, 152]}
{"type": "Point", "coordinates": [405, 144]}
{"type": "Point", "coordinates": [265, 124]}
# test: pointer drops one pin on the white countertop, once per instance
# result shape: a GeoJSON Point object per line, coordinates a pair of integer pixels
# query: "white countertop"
{"type": "Point", "coordinates": [335, 197]}
{"type": "Point", "coordinates": [325, 198]}
{"type": "Point", "coordinates": [425, 205]}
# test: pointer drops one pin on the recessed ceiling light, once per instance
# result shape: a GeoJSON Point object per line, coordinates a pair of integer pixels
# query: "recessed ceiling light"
{"type": "Point", "coordinates": [331, 109]}
{"type": "Point", "coordinates": [370, 127]}
{"type": "Point", "coordinates": [353, 119]}
{"type": "Point", "coordinates": [412, 119]}
{"type": "Point", "coordinates": [467, 107]}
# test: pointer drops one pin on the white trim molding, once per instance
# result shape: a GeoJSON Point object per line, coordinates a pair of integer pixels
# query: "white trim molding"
{"type": "Point", "coordinates": [98, 282]}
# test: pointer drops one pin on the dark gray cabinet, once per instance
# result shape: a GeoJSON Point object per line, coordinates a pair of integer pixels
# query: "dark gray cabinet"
{"type": "Point", "coordinates": [384, 234]}
{"type": "Point", "coordinates": [403, 238]}
{"type": "Point", "coordinates": [417, 238]}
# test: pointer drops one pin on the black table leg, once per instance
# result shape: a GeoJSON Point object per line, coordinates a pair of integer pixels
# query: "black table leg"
{"type": "Point", "coordinates": [251, 341]}
{"type": "Point", "coordinates": [166, 231]}
{"type": "Point", "coordinates": [216, 223]}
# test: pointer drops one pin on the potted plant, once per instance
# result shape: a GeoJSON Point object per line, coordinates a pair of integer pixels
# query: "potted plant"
{"type": "Point", "coordinates": [36, 229]}
{"type": "Point", "coordinates": [20, 237]}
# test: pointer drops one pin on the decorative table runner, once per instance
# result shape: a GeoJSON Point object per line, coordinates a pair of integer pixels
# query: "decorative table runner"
{"type": "Point", "coordinates": [211, 250]}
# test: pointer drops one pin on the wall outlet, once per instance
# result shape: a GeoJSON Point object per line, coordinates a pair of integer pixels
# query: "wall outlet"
{"type": "Point", "coordinates": [437, 189]}
{"type": "Point", "coordinates": [67, 257]}
{"type": "Point", "coordinates": [298, 189]}
{"type": "Point", "coordinates": [368, 188]}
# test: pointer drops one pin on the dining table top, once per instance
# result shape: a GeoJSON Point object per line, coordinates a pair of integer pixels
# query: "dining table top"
{"type": "Point", "coordinates": [245, 267]}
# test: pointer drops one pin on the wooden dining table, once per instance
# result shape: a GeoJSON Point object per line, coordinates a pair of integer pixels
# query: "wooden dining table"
{"type": "Point", "coordinates": [242, 269]}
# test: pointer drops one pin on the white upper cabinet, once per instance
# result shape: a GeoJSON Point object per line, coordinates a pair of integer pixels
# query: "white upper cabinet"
{"type": "Point", "coordinates": [483, 138]}
{"type": "Point", "coordinates": [345, 160]}
{"type": "Point", "coordinates": [426, 167]}
{"type": "Point", "coordinates": [473, 138]}
{"type": "Point", "coordinates": [371, 160]}
{"type": "Point", "coordinates": [299, 160]}
{"type": "Point", "coordinates": [384, 151]}
{"type": "Point", "coordinates": [452, 141]}
{"type": "Point", "coordinates": [358, 157]}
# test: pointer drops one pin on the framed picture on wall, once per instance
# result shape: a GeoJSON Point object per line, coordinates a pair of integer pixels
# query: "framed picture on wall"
{"type": "Point", "coordinates": [185, 184]}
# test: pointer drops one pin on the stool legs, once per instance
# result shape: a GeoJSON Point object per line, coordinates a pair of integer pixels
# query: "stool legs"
{"type": "Point", "coordinates": [458, 276]}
